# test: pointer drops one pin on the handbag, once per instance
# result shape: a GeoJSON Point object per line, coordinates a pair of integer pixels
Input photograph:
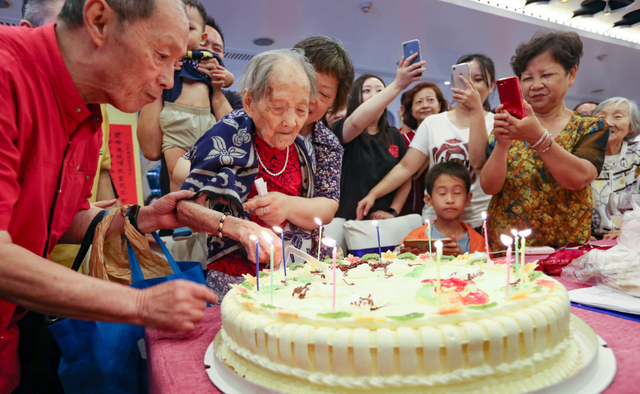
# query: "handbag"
{"type": "Point", "coordinates": [100, 357]}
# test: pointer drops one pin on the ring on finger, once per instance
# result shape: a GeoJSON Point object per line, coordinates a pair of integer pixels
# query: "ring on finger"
{"type": "Point", "coordinates": [264, 210]}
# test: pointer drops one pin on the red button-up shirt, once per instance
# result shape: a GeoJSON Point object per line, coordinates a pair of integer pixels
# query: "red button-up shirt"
{"type": "Point", "coordinates": [49, 147]}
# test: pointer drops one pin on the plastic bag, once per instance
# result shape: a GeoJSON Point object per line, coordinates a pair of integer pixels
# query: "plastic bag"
{"type": "Point", "coordinates": [617, 268]}
{"type": "Point", "coordinates": [109, 259]}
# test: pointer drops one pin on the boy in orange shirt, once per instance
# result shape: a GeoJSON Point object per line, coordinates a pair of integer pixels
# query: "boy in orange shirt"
{"type": "Point", "coordinates": [448, 185]}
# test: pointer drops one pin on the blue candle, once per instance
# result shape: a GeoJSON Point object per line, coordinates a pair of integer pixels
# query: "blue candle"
{"type": "Point", "coordinates": [254, 238]}
{"type": "Point", "coordinates": [375, 223]}
{"type": "Point", "coordinates": [284, 259]}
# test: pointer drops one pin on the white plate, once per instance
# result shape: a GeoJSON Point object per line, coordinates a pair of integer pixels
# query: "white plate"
{"type": "Point", "coordinates": [593, 377]}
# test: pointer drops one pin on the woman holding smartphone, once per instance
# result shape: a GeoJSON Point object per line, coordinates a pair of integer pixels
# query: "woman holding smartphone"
{"type": "Point", "coordinates": [539, 168]}
{"type": "Point", "coordinates": [460, 134]}
{"type": "Point", "coordinates": [371, 146]}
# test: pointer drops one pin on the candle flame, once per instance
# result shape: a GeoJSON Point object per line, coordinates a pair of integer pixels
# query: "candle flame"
{"type": "Point", "coordinates": [484, 215]}
{"type": "Point", "coordinates": [438, 244]}
{"type": "Point", "coordinates": [374, 222]}
{"type": "Point", "coordinates": [525, 233]}
{"type": "Point", "coordinates": [514, 232]}
{"type": "Point", "coordinates": [267, 237]}
{"type": "Point", "coordinates": [253, 237]}
{"type": "Point", "coordinates": [329, 242]}
{"type": "Point", "coordinates": [427, 221]}
{"type": "Point", "coordinates": [506, 240]}
{"type": "Point", "coordinates": [318, 221]}
{"type": "Point", "coordinates": [277, 229]}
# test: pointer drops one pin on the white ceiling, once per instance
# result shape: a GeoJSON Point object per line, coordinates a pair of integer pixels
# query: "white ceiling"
{"type": "Point", "coordinates": [446, 30]}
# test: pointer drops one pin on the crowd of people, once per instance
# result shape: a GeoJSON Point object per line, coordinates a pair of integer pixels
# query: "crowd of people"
{"type": "Point", "coordinates": [320, 140]}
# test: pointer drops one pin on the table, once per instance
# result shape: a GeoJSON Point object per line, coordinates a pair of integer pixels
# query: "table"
{"type": "Point", "coordinates": [176, 361]}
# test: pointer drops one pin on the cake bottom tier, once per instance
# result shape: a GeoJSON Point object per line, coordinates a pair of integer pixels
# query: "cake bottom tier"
{"type": "Point", "coordinates": [521, 377]}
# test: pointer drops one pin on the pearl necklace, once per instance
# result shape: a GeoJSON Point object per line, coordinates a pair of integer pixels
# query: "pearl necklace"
{"type": "Point", "coordinates": [265, 167]}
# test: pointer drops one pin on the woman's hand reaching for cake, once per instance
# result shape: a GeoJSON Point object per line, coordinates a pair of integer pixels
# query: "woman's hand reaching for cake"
{"type": "Point", "coordinates": [244, 232]}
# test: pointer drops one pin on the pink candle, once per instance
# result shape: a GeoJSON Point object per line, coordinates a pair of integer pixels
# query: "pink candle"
{"type": "Point", "coordinates": [333, 244]}
{"type": "Point", "coordinates": [486, 235]}
{"type": "Point", "coordinates": [507, 241]}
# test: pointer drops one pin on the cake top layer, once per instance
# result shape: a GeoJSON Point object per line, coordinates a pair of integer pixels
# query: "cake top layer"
{"type": "Point", "coordinates": [397, 291]}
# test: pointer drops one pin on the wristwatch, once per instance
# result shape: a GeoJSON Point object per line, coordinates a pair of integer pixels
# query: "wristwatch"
{"type": "Point", "coordinates": [393, 212]}
{"type": "Point", "coordinates": [133, 217]}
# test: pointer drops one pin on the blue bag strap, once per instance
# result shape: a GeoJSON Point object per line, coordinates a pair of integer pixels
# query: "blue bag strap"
{"type": "Point", "coordinates": [136, 272]}
{"type": "Point", "coordinates": [167, 254]}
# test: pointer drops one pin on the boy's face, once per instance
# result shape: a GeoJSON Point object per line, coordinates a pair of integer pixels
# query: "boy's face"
{"type": "Point", "coordinates": [197, 35]}
{"type": "Point", "coordinates": [449, 197]}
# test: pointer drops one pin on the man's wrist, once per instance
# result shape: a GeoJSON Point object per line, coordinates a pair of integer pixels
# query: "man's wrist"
{"type": "Point", "coordinates": [146, 221]}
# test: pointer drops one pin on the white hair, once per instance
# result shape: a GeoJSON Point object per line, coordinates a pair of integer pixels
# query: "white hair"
{"type": "Point", "coordinates": [634, 113]}
{"type": "Point", "coordinates": [255, 78]}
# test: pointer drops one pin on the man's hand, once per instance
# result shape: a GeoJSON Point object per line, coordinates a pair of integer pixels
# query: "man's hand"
{"type": "Point", "coordinates": [104, 204]}
{"type": "Point", "coordinates": [452, 247]}
{"type": "Point", "coordinates": [272, 209]}
{"type": "Point", "coordinates": [381, 215]}
{"type": "Point", "coordinates": [177, 305]}
{"type": "Point", "coordinates": [162, 213]}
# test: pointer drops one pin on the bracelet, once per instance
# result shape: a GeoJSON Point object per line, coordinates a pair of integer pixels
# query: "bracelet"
{"type": "Point", "coordinates": [221, 225]}
{"type": "Point", "coordinates": [542, 139]}
{"type": "Point", "coordinates": [393, 212]}
{"type": "Point", "coordinates": [548, 147]}
{"type": "Point", "coordinates": [133, 217]}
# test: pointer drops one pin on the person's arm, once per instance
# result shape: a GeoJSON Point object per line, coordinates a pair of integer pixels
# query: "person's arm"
{"type": "Point", "coordinates": [105, 187]}
{"type": "Point", "coordinates": [402, 172]}
{"type": "Point", "coordinates": [569, 170]}
{"type": "Point", "coordinates": [149, 132]}
{"type": "Point", "coordinates": [369, 111]}
{"type": "Point", "coordinates": [469, 99]}
{"type": "Point", "coordinates": [275, 208]}
{"type": "Point", "coordinates": [35, 283]}
{"type": "Point", "coordinates": [494, 172]}
{"type": "Point", "coordinates": [401, 196]}
{"type": "Point", "coordinates": [207, 221]}
{"type": "Point", "coordinates": [220, 104]}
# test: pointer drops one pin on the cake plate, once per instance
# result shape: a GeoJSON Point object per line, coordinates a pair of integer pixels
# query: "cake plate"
{"type": "Point", "coordinates": [594, 375]}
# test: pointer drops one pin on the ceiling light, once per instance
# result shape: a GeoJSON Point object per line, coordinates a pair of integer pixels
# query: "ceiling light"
{"type": "Point", "coordinates": [607, 9]}
{"type": "Point", "coordinates": [447, 83]}
{"type": "Point", "coordinates": [563, 1]}
{"type": "Point", "coordinates": [263, 41]}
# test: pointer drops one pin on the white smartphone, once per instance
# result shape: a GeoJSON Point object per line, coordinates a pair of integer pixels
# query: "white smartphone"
{"type": "Point", "coordinates": [456, 71]}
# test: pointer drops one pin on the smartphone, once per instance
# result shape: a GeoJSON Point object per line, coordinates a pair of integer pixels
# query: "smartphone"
{"type": "Point", "coordinates": [423, 244]}
{"type": "Point", "coordinates": [511, 96]}
{"type": "Point", "coordinates": [411, 47]}
{"type": "Point", "coordinates": [456, 71]}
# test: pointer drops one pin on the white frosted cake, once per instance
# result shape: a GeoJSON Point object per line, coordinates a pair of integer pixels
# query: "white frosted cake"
{"type": "Point", "coordinates": [393, 332]}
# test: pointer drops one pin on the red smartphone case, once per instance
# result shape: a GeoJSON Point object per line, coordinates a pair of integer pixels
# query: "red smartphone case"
{"type": "Point", "coordinates": [511, 96]}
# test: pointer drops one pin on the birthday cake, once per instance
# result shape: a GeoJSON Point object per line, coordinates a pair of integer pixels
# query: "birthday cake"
{"type": "Point", "coordinates": [405, 324]}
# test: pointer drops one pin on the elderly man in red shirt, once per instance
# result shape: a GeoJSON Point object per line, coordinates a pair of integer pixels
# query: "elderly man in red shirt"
{"type": "Point", "coordinates": [53, 78]}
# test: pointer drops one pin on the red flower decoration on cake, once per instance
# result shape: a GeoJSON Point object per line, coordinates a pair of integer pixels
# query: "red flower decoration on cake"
{"type": "Point", "coordinates": [393, 149]}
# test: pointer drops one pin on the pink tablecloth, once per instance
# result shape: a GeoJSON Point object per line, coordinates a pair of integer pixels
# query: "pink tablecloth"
{"type": "Point", "coordinates": [176, 361]}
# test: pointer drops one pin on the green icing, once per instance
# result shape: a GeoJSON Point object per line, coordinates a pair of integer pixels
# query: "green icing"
{"type": "Point", "coordinates": [266, 288]}
{"type": "Point", "coordinates": [263, 274]}
{"type": "Point", "coordinates": [537, 289]}
{"type": "Point", "coordinates": [406, 317]}
{"type": "Point", "coordinates": [427, 293]}
{"type": "Point", "coordinates": [485, 306]}
{"type": "Point", "coordinates": [477, 260]}
{"type": "Point", "coordinates": [407, 256]}
{"type": "Point", "coordinates": [534, 275]}
{"type": "Point", "coordinates": [295, 266]}
{"type": "Point", "coordinates": [246, 296]}
{"type": "Point", "coordinates": [447, 258]}
{"type": "Point", "coordinates": [305, 278]}
{"type": "Point", "coordinates": [335, 315]}
{"type": "Point", "coordinates": [416, 272]}
{"type": "Point", "coordinates": [330, 262]}
{"type": "Point", "coordinates": [267, 306]}
{"type": "Point", "coordinates": [371, 256]}
{"type": "Point", "coordinates": [247, 285]}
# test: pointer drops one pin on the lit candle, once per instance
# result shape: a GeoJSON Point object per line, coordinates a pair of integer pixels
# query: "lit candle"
{"type": "Point", "coordinates": [319, 236]}
{"type": "Point", "coordinates": [428, 222]}
{"type": "Point", "coordinates": [507, 241]}
{"type": "Point", "coordinates": [517, 250]}
{"type": "Point", "coordinates": [333, 244]}
{"type": "Point", "coordinates": [523, 235]}
{"type": "Point", "coordinates": [375, 223]}
{"type": "Point", "coordinates": [284, 259]}
{"type": "Point", "coordinates": [270, 240]}
{"type": "Point", "coordinates": [255, 239]}
{"type": "Point", "coordinates": [438, 245]}
{"type": "Point", "coordinates": [486, 235]}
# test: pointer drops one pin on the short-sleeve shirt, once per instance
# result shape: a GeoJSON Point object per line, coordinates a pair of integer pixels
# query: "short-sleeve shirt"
{"type": "Point", "coordinates": [328, 153]}
{"type": "Point", "coordinates": [442, 141]}
{"type": "Point", "coordinates": [49, 147]}
{"type": "Point", "coordinates": [531, 198]}
{"type": "Point", "coordinates": [364, 164]}
{"type": "Point", "coordinates": [619, 174]}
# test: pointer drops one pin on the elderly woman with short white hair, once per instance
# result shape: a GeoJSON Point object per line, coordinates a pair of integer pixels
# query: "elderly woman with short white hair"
{"type": "Point", "coordinates": [621, 164]}
{"type": "Point", "coordinates": [259, 141]}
